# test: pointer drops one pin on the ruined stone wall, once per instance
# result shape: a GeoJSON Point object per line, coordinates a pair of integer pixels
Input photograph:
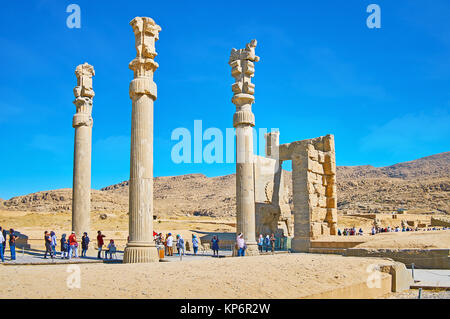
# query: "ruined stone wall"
{"type": "Point", "coordinates": [314, 188]}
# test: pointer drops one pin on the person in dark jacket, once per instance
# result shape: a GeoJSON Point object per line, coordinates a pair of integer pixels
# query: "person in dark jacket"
{"type": "Point", "coordinates": [64, 247]}
{"type": "Point", "coordinates": [84, 244]}
{"type": "Point", "coordinates": [48, 242]}
{"type": "Point", "coordinates": [215, 245]}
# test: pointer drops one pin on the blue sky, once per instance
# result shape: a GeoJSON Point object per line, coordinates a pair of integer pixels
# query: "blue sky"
{"type": "Point", "coordinates": [384, 93]}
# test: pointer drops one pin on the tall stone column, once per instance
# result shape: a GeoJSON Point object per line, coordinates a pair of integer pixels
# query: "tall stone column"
{"type": "Point", "coordinates": [141, 248]}
{"type": "Point", "coordinates": [243, 69]}
{"type": "Point", "coordinates": [82, 122]}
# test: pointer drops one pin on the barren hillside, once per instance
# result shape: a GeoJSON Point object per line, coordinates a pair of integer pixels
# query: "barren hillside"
{"type": "Point", "coordinates": [422, 185]}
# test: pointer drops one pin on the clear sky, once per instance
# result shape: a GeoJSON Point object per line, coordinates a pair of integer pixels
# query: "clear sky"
{"type": "Point", "coordinates": [384, 93]}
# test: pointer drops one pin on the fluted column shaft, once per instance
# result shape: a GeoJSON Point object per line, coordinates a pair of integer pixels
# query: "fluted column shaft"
{"type": "Point", "coordinates": [242, 69]}
{"type": "Point", "coordinates": [141, 247]}
{"type": "Point", "coordinates": [82, 122]}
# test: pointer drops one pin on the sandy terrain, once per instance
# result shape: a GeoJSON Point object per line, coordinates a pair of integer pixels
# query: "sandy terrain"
{"type": "Point", "coordinates": [423, 240]}
{"type": "Point", "coordinates": [278, 276]}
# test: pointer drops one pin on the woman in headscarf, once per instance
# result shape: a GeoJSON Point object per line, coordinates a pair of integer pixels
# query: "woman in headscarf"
{"type": "Point", "coordinates": [195, 243]}
{"type": "Point", "coordinates": [53, 243]}
{"type": "Point", "coordinates": [64, 247]}
{"type": "Point", "coordinates": [215, 245]}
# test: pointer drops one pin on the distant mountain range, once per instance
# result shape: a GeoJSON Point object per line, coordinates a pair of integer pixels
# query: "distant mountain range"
{"type": "Point", "coordinates": [422, 185]}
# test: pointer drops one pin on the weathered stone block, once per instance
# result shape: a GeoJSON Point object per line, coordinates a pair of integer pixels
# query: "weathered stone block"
{"type": "Point", "coordinates": [319, 188]}
{"type": "Point", "coordinates": [321, 157]}
{"type": "Point", "coordinates": [331, 190]}
{"type": "Point", "coordinates": [328, 143]}
{"type": "Point", "coordinates": [316, 229]}
{"type": "Point", "coordinates": [332, 215]}
{"type": "Point", "coordinates": [325, 230]}
{"type": "Point", "coordinates": [313, 154]}
{"type": "Point", "coordinates": [323, 201]}
{"type": "Point", "coordinates": [329, 168]}
{"type": "Point", "coordinates": [315, 167]}
{"type": "Point", "coordinates": [331, 202]}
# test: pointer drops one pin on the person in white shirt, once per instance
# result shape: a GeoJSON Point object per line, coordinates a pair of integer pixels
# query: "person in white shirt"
{"type": "Point", "coordinates": [170, 245]}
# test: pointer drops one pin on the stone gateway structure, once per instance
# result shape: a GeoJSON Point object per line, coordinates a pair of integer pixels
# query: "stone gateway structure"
{"type": "Point", "coordinates": [141, 247]}
{"type": "Point", "coordinates": [82, 122]}
{"type": "Point", "coordinates": [261, 191]}
{"type": "Point", "coordinates": [313, 188]}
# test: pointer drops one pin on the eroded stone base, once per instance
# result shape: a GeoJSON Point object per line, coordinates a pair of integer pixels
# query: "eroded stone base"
{"type": "Point", "coordinates": [300, 245]}
{"type": "Point", "coordinates": [140, 254]}
{"type": "Point", "coordinates": [252, 250]}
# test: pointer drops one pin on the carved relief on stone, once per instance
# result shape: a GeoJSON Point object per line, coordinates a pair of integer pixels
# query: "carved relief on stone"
{"type": "Point", "coordinates": [146, 33]}
{"type": "Point", "coordinates": [83, 95]}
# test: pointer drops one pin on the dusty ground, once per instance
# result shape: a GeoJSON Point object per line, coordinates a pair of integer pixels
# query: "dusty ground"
{"type": "Point", "coordinates": [278, 276]}
{"type": "Point", "coordinates": [414, 294]}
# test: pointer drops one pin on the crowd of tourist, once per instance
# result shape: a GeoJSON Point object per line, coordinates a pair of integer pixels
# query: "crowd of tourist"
{"type": "Point", "coordinates": [396, 229]}
{"type": "Point", "coordinates": [350, 232]}
{"type": "Point", "coordinates": [376, 230]}
{"type": "Point", "coordinates": [68, 245]}
{"type": "Point", "coordinates": [4, 234]}
{"type": "Point", "coordinates": [168, 242]}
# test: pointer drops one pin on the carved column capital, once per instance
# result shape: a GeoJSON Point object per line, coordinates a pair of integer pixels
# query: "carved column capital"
{"type": "Point", "coordinates": [146, 33]}
{"type": "Point", "coordinates": [242, 70]}
{"type": "Point", "coordinates": [83, 95]}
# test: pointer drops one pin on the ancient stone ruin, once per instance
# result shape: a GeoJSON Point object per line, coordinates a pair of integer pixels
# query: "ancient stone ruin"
{"type": "Point", "coordinates": [82, 122]}
{"type": "Point", "coordinates": [141, 247]}
{"type": "Point", "coordinates": [261, 192]}
{"type": "Point", "coordinates": [243, 69]}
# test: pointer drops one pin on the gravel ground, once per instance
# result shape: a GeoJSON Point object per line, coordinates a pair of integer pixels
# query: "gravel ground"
{"type": "Point", "coordinates": [414, 294]}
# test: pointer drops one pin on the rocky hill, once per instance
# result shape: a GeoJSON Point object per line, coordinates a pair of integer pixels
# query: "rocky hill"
{"type": "Point", "coordinates": [422, 185]}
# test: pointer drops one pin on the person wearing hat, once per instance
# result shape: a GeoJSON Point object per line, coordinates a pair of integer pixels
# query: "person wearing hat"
{"type": "Point", "coordinates": [170, 245]}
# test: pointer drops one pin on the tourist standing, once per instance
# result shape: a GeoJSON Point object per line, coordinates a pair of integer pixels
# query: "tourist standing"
{"type": "Point", "coordinates": [195, 243]}
{"type": "Point", "coordinates": [180, 245]}
{"type": "Point", "coordinates": [48, 244]}
{"type": "Point", "coordinates": [73, 245]}
{"type": "Point", "coordinates": [2, 242]}
{"type": "Point", "coordinates": [111, 249]}
{"type": "Point", "coordinates": [240, 243]}
{"type": "Point", "coordinates": [12, 244]}
{"type": "Point", "coordinates": [267, 243]}
{"type": "Point", "coordinates": [100, 243]}
{"type": "Point", "coordinates": [53, 243]}
{"type": "Point", "coordinates": [170, 245]}
{"type": "Point", "coordinates": [64, 247]}
{"type": "Point", "coordinates": [84, 244]}
{"type": "Point", "coordinates": [215, 245]}
{"type": "Point", "coordinates": [260, 243]}
{"type": "Point", "coordinates": [272, 243]}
